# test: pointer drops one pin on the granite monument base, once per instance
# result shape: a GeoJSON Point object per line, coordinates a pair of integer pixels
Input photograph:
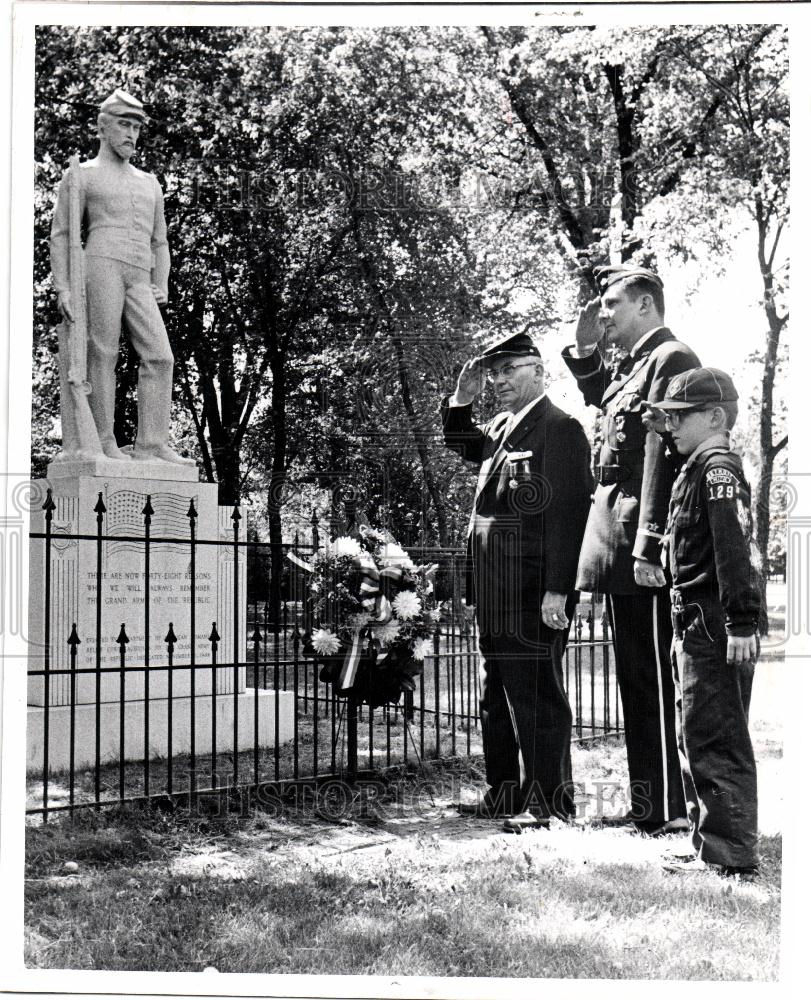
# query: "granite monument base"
{"type": "Point", "coordinates": [85, 729]}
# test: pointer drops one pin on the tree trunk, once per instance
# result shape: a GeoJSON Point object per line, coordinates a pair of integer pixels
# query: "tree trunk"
{"type": "Point", "coordinates": [767, 448]}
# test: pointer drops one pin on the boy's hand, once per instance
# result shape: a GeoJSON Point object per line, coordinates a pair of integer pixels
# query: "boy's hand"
{"type": "Point", "coordinates": [741, 649]}
{"type": "Point", "coordinates": [653, 418]}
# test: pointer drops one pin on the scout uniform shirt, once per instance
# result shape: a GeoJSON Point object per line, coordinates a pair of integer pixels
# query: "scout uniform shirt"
{"type": "Point", "coordinates": [708, 545]}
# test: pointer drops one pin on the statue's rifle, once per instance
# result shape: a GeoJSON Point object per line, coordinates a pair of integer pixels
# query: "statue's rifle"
{"type": "Point", "coordinates": [80, 438]}
{"type": "Point", "coordinates": [77, 330]}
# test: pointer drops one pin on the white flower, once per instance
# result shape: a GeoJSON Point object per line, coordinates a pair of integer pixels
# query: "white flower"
{"type": "Point", "coordinates": [392, 554]}
{"type": "Point", "coordinates": [325, 643]}
{"type": "Point", "coordinates": [422, 649]}
{"type": "Point", "coordinates": [360, 620]}
{"type": "Point", "coordinates": [407, 605]}
{"type": "Point", "coordinates": [387, 633]}
{"type": "Point", "coordinates": [435, 614]}
{"type": "Point", "coordinates": [345, 546]}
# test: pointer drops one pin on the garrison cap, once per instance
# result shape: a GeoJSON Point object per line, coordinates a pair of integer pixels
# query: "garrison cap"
{"type": "Point", "coordinates": [515, 345]}
{"type": "Point", "coordinates": [610, 274]}
{"type": "Point", "coordinates": [122, 103]}
{"type": "Point", "coordinates": [698, 387]}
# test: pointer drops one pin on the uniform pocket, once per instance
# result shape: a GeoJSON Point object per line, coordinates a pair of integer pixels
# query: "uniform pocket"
{"type": "Point", "coordinates": [697, 627]}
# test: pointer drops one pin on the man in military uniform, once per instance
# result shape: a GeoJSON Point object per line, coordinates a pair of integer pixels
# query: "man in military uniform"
{"type": "Point", "coordinates": [127, 277]}
{"type": "Point", "coordinates": [524, 536]}
{"type": "Point", "coordinates": [621, 549]}
{"type": "Point", "coordinates": [716, 604]}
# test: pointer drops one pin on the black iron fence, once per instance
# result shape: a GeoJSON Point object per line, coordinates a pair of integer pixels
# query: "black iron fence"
{"type": "Point", "coordinates": [204, 703]}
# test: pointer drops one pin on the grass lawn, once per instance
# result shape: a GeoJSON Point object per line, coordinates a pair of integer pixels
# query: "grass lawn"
{"type": "Point", "coordinates": [396, 883]}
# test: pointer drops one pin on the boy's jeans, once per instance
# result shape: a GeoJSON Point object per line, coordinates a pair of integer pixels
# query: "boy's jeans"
{"type": "Point", "coordinates": [717, 760]}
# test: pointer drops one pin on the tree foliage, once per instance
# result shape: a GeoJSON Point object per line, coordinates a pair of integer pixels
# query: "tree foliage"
{"type": "Point", "coordinates": [352, 211]}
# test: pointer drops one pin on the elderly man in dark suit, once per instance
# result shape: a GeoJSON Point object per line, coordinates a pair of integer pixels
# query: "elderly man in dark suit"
{"type": "Point", "coordinates": [524, 536]}
{"type": "Point", "coordinates": [621, 554]}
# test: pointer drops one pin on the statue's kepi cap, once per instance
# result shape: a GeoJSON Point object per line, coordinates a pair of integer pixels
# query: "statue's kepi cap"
{"type": "Point", "coordinates": [514, 345]}
{"type": "Point", "coordinates": [610, 274]}
{"type": "Point", "coordinates": [697, 387]}
{"type": "Point", "coordinates": [122, 103]}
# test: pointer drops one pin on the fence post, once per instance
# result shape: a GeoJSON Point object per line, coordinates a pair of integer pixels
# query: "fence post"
{"type": "Point", "coordinates": [100, 510]}
{"type": "Point", "coordinates": [192, 516]}
{"type": "Point", "coordinates": [49, 507]}
{"type": "Point", "coordinates": [214, 639]}
{"type": "Point", "coordinates": [256, 639]}
{"type": "Point", "coordinates": [236, 517]}
{"type": "Point", "coordinates": [122, 641]}
{"type": "Point", "coordinates": [170, 641]}
{"type": "Point", "coordinates": [352, 737]}
{"type": "Point", "coordinates": [147, 512]}
{"type": "Point", "coordinates": [74, 642]}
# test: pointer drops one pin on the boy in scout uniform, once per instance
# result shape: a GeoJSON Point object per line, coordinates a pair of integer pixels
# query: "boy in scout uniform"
{"type": "Point", "coordinates": [621, 549]}
{"type": "Point", "coordinates": [716, 603]}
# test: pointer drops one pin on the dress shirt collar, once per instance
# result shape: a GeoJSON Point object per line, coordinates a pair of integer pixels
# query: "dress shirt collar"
{"type": "Point", "coordinates": [645, 337]}
{"type": "Point", "coordinates": [516, 418]}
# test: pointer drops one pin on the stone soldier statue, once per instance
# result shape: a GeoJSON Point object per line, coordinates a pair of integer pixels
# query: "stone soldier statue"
{"type": "Point", "coordinates": [126, 261]}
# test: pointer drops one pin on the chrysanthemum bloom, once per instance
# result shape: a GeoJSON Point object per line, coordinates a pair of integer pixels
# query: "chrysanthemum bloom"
{"type": "Point", "coordinates": [393, 555]}
{"type": "Point", "coordinates": [422, 648]}
{"type": "Point", "coordinates": [345, 546]}
{"type": "Point", "coordinates": [387, 633]}
{"type": "Point", "coordinates": [325, 643]}
{"type": "Point", "coordinates": [360, 620]}
{"type": "Point", "coordinates": [407, 605]}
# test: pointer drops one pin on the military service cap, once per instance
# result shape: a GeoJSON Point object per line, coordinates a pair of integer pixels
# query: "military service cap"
{"type": "Point", "coordinates": [698, 387]}
{"type": "Point", "coordinates": [610, 274]}
{"type": "Point", "coordinates": [122, 103]}
{"type": "Point", "coordinates": [515, 345]}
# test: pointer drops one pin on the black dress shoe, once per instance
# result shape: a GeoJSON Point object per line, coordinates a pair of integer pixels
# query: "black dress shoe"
{"type": "Point", "coordinates": [525, 821]}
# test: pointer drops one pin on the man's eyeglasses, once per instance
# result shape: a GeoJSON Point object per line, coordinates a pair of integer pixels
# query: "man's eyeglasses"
{"type": "Point", "coordinates": [674, 417]}
{"type": "Point", "coordinates": [508, 371]}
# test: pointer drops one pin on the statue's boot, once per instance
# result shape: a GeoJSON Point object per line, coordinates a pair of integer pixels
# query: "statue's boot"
{"type": "Point", "coordinates": [162, 452]}
{"type": "Point", "coordinates": [111, 450]}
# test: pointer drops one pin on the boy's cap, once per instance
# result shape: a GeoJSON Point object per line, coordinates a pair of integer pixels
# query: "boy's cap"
{"type": "Point", "coordinates": [610, 274]}
{"type": "Point", "coordinates": [515, 344]}
{"type": "Point", "coordinates": [697, 387]}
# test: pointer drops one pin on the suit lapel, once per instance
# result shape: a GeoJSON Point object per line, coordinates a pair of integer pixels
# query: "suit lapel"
{"type": "Point", "coordinates": [513, 440]}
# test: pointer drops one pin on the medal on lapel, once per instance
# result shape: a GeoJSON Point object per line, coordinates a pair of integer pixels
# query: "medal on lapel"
{"type": "Point", "coordinates": [519, 466]}
{"type": "Point", "coordinates": [619, 421]}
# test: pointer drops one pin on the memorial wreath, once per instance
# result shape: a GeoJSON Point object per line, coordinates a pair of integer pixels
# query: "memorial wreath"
{"type": "Point", "coordinates": [373, 614]}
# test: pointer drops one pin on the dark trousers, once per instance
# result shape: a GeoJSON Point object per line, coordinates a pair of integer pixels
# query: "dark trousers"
{"type": "Point", "coordinates": [717, 759]}
{"type": "Point", "coordinates": [526, 720]}
{"type": "Point", "coordinates": [643, 634]}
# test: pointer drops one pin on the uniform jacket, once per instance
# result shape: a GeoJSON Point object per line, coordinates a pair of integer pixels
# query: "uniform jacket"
{"type": "Point", "coordinates": [635, 471]}
{"type": "Point", "coordinates": [124, 220]}
{"type": "Point", "coordinates": [709, 538]}
{"type": "Point", "coordinates": [530, 508]}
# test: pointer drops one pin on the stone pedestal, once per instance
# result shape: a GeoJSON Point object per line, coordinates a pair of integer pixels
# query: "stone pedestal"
{"type": "Point", "coordinates": [146, 604]}
{"type": "Point", "coordinates": [110, 717]}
